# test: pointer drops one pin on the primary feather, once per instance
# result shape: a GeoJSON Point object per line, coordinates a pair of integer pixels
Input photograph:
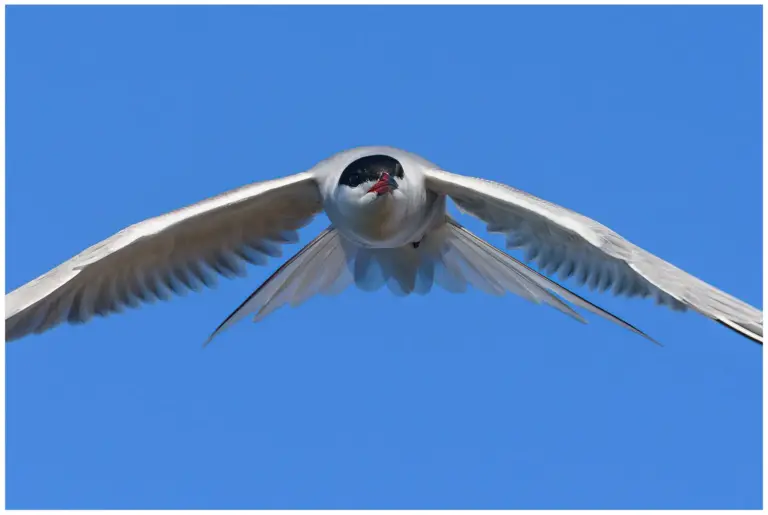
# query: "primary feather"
{"type": "Point", "coordinates": [561, 240]}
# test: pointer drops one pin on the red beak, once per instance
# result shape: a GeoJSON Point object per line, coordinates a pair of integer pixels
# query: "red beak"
{"type": "Point", "coordinates": [385, 184]}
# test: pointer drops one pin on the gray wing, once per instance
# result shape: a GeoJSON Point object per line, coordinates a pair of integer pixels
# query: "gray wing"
{"type": "Point", "coordinates": [563, 241]}
{"type": "Point", "coordinates": [179, 251]}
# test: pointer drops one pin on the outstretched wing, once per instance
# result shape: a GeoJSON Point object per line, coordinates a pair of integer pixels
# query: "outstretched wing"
{"type": "Point", "coordinates": [179, 251]}
{"type": "Point", "coordinates": [561, 240]}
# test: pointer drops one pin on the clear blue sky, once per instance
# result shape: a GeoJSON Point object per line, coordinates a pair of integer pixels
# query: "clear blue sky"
{"type": "Point", "coordinates": [647, 119]}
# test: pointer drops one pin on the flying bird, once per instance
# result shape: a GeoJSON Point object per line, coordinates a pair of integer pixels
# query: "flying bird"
{"type": "Point", "coordinates": [388, 227]}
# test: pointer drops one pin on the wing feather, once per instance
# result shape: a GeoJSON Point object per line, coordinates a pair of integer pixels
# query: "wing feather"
{"type": "Point", "coordinates": [562, 241]}
{"type": "Point", "coordinates": [167, 255]}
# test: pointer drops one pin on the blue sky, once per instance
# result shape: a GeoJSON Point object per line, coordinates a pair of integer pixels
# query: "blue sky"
{"type": "Point", "coordinates": [647, 119]}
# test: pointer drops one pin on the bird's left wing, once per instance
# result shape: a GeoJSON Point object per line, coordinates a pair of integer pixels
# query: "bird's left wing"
{"type": "Point", "coordinates": [172, 253]}
{"type": "Point", "coordinates": [561, 240]}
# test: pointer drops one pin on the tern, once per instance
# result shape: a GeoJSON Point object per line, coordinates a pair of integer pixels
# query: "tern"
{"type": "Point", "coordinates": [388, 227]}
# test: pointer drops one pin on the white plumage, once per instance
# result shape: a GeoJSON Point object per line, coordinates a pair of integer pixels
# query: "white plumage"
{"type": "Point", "coordinates": [389, 226]}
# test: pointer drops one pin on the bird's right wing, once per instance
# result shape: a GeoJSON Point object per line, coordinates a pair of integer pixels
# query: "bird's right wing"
{"type": "Point", "coordinates": [181, 250]}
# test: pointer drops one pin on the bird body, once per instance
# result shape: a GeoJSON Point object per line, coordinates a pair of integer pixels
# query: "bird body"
{"type": "Point", "coordinates": [389, 226]}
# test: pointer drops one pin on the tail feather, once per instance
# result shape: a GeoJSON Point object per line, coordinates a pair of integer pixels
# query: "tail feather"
{"type": "Point", "coordinates": [293, 282]}
{"type": "Point", "coordinates": [493, 268]}
{"type": "Point", "coordinates": [544, 282]}
{"type": "Point", "coordinates": [450, 256]}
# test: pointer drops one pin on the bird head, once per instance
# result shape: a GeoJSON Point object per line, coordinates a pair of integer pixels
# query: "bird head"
{"type": "Point", "coordinates": [370, 178]}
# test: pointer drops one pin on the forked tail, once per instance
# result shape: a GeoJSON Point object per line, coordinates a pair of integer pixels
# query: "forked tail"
{"type": "Point", "coordinates": [450, 256]}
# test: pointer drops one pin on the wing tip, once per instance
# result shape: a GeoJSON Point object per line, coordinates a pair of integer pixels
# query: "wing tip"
{"type": "Point", "coordinates": [739, 329]}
